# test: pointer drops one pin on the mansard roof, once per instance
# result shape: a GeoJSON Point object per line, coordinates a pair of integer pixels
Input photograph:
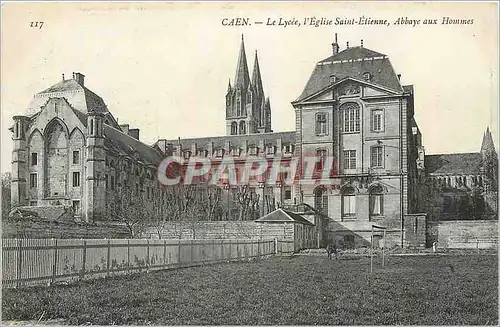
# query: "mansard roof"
{"type": "Point", "coordinates": [236, 141]}
{"type": "Point", "coordinates": [126, 145]}
{"type": "Point", "coordinates": [352, 62]}
{"type": "Point", "coordinates": [454, 164]}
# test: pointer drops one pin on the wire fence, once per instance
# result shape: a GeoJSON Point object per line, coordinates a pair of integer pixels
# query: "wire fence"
{"type": "Point", "coordinates": [29, 262]}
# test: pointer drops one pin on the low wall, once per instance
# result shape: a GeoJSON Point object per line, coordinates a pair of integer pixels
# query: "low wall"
{"type": "Point", "coordinates": [303, 236]}
{"type": "Point", "coordinates": [476, 234]}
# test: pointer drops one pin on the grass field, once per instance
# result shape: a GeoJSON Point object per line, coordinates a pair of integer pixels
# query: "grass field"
{"type": "Point", "coordinates": [423, 290]}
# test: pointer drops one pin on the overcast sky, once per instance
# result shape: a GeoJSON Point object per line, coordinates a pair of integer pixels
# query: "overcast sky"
{"type": "Point", "coordinates": [164, 68]}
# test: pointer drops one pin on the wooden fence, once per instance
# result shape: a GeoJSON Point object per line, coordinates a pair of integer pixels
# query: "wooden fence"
{"type": "Point", "coordinates": [27, 262]}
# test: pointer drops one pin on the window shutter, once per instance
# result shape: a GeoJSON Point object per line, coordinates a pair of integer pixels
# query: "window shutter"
{"type": "Point", "coordinates": [317, 124]}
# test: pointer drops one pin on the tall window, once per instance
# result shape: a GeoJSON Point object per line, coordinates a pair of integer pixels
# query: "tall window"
{"type": "Point", "coordinates": [288, 193]}
{"type": "Point", "coordinates": [321, 200]}
{"type": "Point", "coordinates": [33, 180]}
{"type": "Point", "coordinates": [238, 107]}
{"type": "Point", "coordinates": [76, 179]}
{"type": "Point", "coordinates": [349, 159]}
{"type": "Point", "coordinates": [377, 120]}
{"type": "Point", "coordinates": [350, 113]}
{"type": "Point", "coordinates": [76, 206]}
{"type": "Point", "coordinates": [376, 201]}
{"type": "Point", "coordinates": [320, 158]}
{"type": "Point", "coordinates": [321, 124]}
{"type": "Point", "coordinates": [76, 157]}
{"type": "Point", "coordinates": [243, 129]}
{"type": "Point", "coordinates": [348, 203]}
{"type": "Point", "coordinates": [377, 156]}
{"type": "Point", "coordinates": [234, 128]}
{"type": "Point", "coordinates": [34, 159]}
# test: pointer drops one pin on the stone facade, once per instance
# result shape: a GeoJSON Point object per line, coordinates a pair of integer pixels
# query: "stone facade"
{"type": "Point", "coordinates": [69, 151]}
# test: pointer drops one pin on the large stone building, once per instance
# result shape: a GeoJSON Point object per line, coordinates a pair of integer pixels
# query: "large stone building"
{"type": "Point", "coordinates": [70, 151]}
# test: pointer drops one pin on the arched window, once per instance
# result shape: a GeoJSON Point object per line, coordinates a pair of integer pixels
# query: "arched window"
{"type": "Point", "coordinates": [348, 202]}
{"type": "Point", "coordinates": [321, 200]}
{"type": "Point", "coordinates": [234, 128]}
{"type": "Point", "coordinates": [350, 115]}
{"type": "Point", "coordinates": [242, 127]}
{"type": "Point", "coordinates": [238, 107]}
{"type": "Point", "coordinates": [376, 201]}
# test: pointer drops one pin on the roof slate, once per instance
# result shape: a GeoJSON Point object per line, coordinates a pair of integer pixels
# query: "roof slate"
{"type": "Point", "coordinates": [125, 144]}
{"type": "Point", "coordinates": [457, 163]}
{"type": "Point", "coordinates": [360, 62]}
{"type": "Point", "coordinates": [280, 215]}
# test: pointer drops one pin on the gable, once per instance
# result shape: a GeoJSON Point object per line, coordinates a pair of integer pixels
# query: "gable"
{"type": "Point", "coordinates": [58, 108]}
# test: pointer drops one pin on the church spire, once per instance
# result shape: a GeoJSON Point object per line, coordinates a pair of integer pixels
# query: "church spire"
{"type": "Point", "coordinates": [487, 145]}
{"type": "Point", "coordinates": [256, 78]}
{"type": "Point", "coordinates": [229, 86]}
{"type": "Point", "coordinates": [242, 78]}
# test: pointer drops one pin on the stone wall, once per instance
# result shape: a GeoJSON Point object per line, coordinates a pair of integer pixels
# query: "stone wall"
{"type": "Point", "coordinates": [464, 234]}
{"type": "Point", "coordinates": [304, 236]}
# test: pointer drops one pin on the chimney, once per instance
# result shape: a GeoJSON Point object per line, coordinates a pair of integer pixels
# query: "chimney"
{"type": "Point", "coordinates": [79, 78]}
{"type": "Point", "coordinates": [399, 77]}
{"type": "Point", "coordinates": [134, 132]}
{"type": "Point", "coordinates": [361, 42]}
{"type": "Point", "coordinates": [347, 44]}
{"type": "Point", "coordinates": [162, 144]}
{"type": "Point", "coordinates": [125, 128]}
{"type": "Point", "coordinates": [335, 46]}
{"type": "Point", "coordinates": [63, 76]}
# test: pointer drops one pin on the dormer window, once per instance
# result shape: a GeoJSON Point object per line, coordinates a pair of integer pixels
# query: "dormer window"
{"type": "Point", "coordinates": [219, 153]}
{"type": "Point", "coordinates": [187, 154]}
{"type": "Point", "coordinates": [333, 79]}
{"type": "Point", "coordinates": [253, 151]}
{"type": "Point", "coordinates": [367, 76]}
{"type": "Point", "coordinates": [236, 152]}
{"type": "Point", "coordinates": [202, 153]}
{"type": "Point", "coordinates": [288, 149]}
{"type": "Point", "coordinates": [270, 150]}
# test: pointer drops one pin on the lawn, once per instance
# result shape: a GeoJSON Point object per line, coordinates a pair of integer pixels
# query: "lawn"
{"type": "Point", "coordinates": [423, 290]}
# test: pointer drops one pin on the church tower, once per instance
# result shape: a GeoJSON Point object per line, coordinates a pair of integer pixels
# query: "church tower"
{"type": "Point", "coordinates": [248, 111]}
{"type": "Point", "coordinates": [490, 160]}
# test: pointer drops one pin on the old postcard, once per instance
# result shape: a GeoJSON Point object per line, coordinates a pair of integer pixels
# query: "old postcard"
{"type": "Point", "coordinates": [259, 163]}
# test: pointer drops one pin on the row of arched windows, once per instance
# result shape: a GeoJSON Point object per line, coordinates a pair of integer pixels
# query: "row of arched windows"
{"type": "Point", "coordinates": [242, 128]}
{"type": "Point", "coordinates": [457, 181]}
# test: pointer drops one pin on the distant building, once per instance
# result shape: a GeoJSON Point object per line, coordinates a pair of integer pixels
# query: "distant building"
{"type": "Point", "coordinates": [462, 186]}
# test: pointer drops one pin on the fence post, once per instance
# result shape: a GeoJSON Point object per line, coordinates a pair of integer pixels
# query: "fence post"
{"type": "Point", "coordinates": [237, 250]}
{"type": "Point", "coordinates": [222, 250]}
{"type": "Point", "coordinates": [179, 254]}
{"type": "Point", "coordinates": [147, 256]}
{"type": "Point", "coordinates": [164, 252]}
{"type": "Point", "coordinates": [192, 251]}
{"type": "Point", "coordinates": [214, 256]}
{"type": "Point", "coordinates": [19, 261]}
{"type": "Point", "coordinates": [109, 257]}
{"type": "Point", "coordinates": [128, 256]}
{"type": "Point", "coordinates": [275, 246]}
{"type": "Point", "coordinates": [230, 252]}
{"type": "Point", "coordinates": [54, 266]}
{"type": "Point", "coordinates": [84, 260]}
